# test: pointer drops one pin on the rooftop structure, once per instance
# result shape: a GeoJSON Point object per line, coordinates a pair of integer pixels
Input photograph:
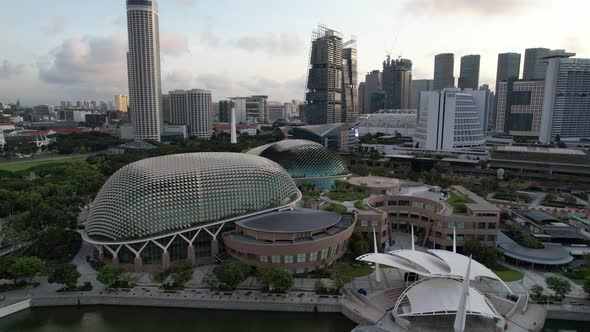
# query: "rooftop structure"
{"type": "Point", "coordinates": [299, 240]}
{"type": "Point", "coordinates": [389, 122]}
{"type": "Point", "coordinates": [305, 161]}
{"type": "Point", "coordinates": [377, 185]}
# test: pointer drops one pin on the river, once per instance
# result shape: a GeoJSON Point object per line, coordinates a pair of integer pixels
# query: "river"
{"type": "Point", "coordinates": [148, 319]}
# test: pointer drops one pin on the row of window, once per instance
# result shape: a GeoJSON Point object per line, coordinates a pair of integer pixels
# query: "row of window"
{"type": "Point", "coordinates": [305, 257]}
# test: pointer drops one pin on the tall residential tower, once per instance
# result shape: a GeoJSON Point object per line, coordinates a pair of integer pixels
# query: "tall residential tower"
{"type": "Point", "coordinates": [143, 67]}
{"type": "Point", "coordinates": [469, 77]}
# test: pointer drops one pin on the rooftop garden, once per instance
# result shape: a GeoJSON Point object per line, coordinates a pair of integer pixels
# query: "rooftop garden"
{"type": "Point", "coordinates": [345, 192]}
{"type": "Point", "coordinates": [457, 203]}
{"type": "Point", "coordinates": [517, 236]}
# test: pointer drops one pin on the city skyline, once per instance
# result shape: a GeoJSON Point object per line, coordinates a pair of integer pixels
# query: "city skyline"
{"type": "Point", "coordinates": [70, 55]}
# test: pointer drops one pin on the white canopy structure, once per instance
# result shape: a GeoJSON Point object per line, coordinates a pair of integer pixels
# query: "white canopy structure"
{"type": "Point", "coordinates": [441, 296]}
{"type": "Point", "coordinates": [433, 263]}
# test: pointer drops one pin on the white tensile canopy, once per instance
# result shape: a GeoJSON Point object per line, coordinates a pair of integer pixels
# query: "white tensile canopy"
{"type": "Point", "coordinates": [434, 263]}
{"type": "Point", "coordinates": [441, 296]}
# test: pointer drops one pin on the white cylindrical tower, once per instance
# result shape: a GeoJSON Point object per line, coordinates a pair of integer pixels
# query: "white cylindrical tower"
{"type": "Point", "coordinates": [234, 134]}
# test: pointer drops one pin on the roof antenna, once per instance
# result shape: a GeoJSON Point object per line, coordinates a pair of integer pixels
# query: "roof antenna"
{"type": "Point", "coordinates": [377, 269]}
{"type": "Point", "coordinates": [462, 310]}
{"type": "Point", "coordinates": [413, 245]}
{"type": "Point", "coordinates": [454, 241]}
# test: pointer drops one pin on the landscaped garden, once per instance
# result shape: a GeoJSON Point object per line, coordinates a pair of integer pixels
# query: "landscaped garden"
{"type": "Point", "coordinates": [509, 275]}
{"type": "Point", "coordinates": [345, 192]}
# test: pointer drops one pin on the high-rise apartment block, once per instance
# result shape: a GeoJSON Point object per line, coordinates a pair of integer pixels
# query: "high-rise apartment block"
{"type": "Point", "coordinates": [566, 103]}
{"type": "Point", "coordinates": [143, 66]}
{"type": "Point", "coordinates": [451, 119]}
{"type": "Point", "coordinates": [121, 103]}
{"type": "Point", "coordinates": [444, 68]}
{"type": "Point", "coordinates": [520, 106]}
{"type": "Point", "coordinates": [324, 80]}
{"type": "Point", "coordinates": [469, 72]}
{"type": "Point", "coordinates": [276, 111]}
{"type": "Point", "coordinates": [349, 83]}
{"type": "Point", "coordinates": [535, 66]}
{"type": "Point", "coordinates": [396, 81]}
{"type": "Point", "coordinates": [193, 109]}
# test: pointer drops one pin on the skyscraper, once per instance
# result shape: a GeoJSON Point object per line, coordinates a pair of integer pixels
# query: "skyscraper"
{"type": "Point", "coordinates": [508, 68]}
{"type": "Point", "coordinates": [349, 83]}
{"type": "Point", "coordinates": [121, 103]}
{"type": "Point", "coordinates": [143, 67]}
{"type": "Point", "coordinates": [193, 109]}
{"type": "Point", "coordinates": [520, 106]}
{"type": "Point", "coordinates": [396, 81]}
{"type": "Point", "coordinates": [534, 65]}
{"type": "Point", "coordinates": [362, 98]}
{"type": "Point", "coordinates": [444, 68]}
{"type": "Point", "coordinates": [324, 80]}
{"type": "Point", "coordinates": [417, 87]}
{"type": "Point", "coordinates": [372, 87]}
{"type": "Point", "coordinates": [566, 102]}
{"type": "Point", "coordinates": [469, 77]}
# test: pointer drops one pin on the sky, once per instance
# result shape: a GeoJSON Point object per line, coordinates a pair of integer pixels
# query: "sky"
{"type": "Point", "coordinates": [75, 49]}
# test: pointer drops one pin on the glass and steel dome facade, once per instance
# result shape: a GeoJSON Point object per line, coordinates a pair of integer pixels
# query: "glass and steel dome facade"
{"type": "Point", "coordinates": [164, 195]}
{"type": "Point", "coordinates": [303, 158]}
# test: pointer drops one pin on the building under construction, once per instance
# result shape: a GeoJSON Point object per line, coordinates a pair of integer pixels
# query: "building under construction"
{"type": "Point", "coordinates": [349, 82]}
{"type": "Point", "coordinates": [324, 78]}
{"type": "Point", "coordinates": [396, 82]}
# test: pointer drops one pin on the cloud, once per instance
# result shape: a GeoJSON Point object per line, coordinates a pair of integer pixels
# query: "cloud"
{"type": "Point", "coordinates": [56, 27]}
{"type": "Point", "coordinates": [463, 7]}
{"type": "Point", "coordinates": [573, 44]}
{"type": "Point", "coordinates": [210, 38]}
{"type": "Point", "coordinates": [281, 44]}
{"type": "Point", "coordinates": [173, 44]}
{"type": "Point", "coordinates": [7, 69]}
{"type": "Point", "coordinates": [94, 60]}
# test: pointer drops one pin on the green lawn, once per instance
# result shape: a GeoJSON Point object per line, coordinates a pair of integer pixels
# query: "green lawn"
{"type": "Point", "coordinates": [346, 196]}
{"type": "Point", "coordinates": [456, 202]}
{"type": "Point", "coordinates": [509, 275]}
{"type": "Point", "coordinates": [25, 166]}
{"type": "Point", "coordinates": [360, 269]}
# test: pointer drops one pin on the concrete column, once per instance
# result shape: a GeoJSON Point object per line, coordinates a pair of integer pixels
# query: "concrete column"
{"type": "Point", "coordinates": [191, 253]}
{"type": "Point", "coordinates": [115, 260]}
{"type": "Point", "coordinates": [138, 264]}
{"type": "Point", "coordinates": [100, 255]}
{"type": "Point", "coordinates": [214, 249]}
{"type": "Point", "coordinates": [165, 260]}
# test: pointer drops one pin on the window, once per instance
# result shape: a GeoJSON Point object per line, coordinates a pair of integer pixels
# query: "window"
{"type": "Point", "coordinates": [492, 225]}
{"type": "Point", "coordinates": [313, 256]}
{"type": "Point", "coordinates": [324, 253]}
{"type": "Point", "coordinates": [375, 223]}
{"type": "Point", "coordinates": [264, 259]}
{"type": "Point", "coordinates": [364, 223]}
{"type": "Point", "coordinates": [288, 259]}
{"type": "Point", "coordinates": [334, 250]}
{"type": "Point", "coordinates": [276, 259]}
{"type": "Point", "coordinates": [451, 225]}
{"type": "Point", "coordinates": [460, 225]}
{"type": "Point", "coordinates": [301, 258]}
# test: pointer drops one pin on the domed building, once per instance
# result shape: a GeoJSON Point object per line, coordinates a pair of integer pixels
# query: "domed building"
{"type": "Point", "coordinates": [192, 206]}
{"type": "Point", "coordinates": [305, 161]}
{"type": "Point", "coordinates": [174, 207]}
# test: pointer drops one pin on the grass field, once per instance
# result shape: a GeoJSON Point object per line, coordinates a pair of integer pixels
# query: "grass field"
{"type": "Point", "coordinates": [25, 166]}
{"type": "Point", "coordinates": [509, 275]}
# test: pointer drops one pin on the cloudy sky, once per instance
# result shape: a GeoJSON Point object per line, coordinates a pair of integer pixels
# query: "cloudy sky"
{"type": "Point", "coordinates": [74, 49]}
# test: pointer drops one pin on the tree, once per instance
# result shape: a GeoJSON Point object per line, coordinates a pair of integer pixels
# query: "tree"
{"type": "Point", "coordinates": [275, 280]}
{"type": "Point", "coordinates": [231, 273]}
{"type": "Point", "coordinates": [570, 200]}
{"type": "Point", "coordinates": [560, 287]}
{"type": "Point", "coordinates": [5, 267]}
{"type": "Point", "coordinates": [488, 256]}
{"type": "Point", "coordinates": [537, 291]}
{"type": "Point", "coordinates": [340, 274]}
{"type": "Point", "coordinates": [109, 274]}
{"type": "Point", "coordinates": [65, 274]}
{"type": "Point", "coordinates": [25, 268]}
{"type": "Point", "coordinates": [181, 272]}
{"type": "Point", "coordinates": [587, 286]}
{"type": "Point", "coordinates": [488, 184]}
{"type": "Point", "coordinates": [361, 247]}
